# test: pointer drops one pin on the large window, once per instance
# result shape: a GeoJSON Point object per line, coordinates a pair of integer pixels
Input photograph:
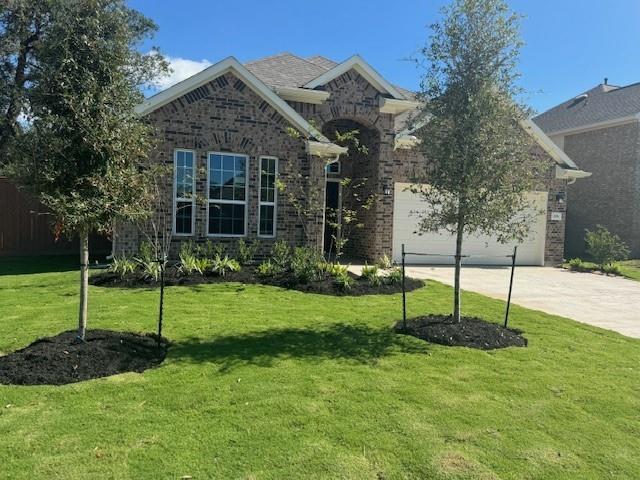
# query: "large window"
{"type": "Point", "coordinates": [184, 188]}
{"type": "Point", "coordinates": [227, 210]}
{"type": "Point", "coordinates": [268, 195]}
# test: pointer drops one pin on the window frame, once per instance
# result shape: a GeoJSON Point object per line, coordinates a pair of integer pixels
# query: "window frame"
{"type": "Point", "coordinates": [275, 196]}
{"type": "Point", "coordinates": [183, 199]}
{"type": "Point", "coordinates": [229, 202]}
{"type": "Point", "coordinates": [335, 162]}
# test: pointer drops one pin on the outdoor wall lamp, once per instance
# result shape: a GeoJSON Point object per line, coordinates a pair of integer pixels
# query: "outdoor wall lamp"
{"type": "Point", "coordinates": [560, 197]}
{"type": "Point", "coordinates": [386, 190]}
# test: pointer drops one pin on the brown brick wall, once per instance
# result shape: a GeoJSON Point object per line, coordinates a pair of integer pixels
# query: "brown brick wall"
{"type": "Point", "coordinates": [226, 115]}
{"type": "Point", "coordinates": [611, 196]}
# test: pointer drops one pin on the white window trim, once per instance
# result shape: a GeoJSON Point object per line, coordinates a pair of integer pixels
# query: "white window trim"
{"type": "Point", "coordinates": [175, 193]}
{"type": "Point", "coordinates": [233, 202]}
{"type": "Point", "coordinates": [275, 196]}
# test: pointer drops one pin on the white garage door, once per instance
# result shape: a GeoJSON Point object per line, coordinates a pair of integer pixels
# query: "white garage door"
{"type": "Point", "coordinates": [485, 249]}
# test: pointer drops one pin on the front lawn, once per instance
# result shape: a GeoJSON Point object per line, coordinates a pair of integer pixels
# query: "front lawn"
{"type": "Point", "coordinates": [631, 269]}
{"type": "Point", "coordinates": [266, 383]}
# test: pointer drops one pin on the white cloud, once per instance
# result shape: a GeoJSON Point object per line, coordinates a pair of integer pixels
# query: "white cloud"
{"type": "Point", "coordinates": [181, 68]}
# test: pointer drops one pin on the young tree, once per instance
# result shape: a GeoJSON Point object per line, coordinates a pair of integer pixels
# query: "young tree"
{"type": "Point", "coordinates": [83, 152]}
{"type": "Point", "coordinates": [480, 160]}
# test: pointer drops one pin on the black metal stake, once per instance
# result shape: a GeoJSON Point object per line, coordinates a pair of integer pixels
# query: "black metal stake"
{"type": "Point", "coordinates": [160, 313]}
{"type": "Point", "coordinates": [513, 267]}
{"type": "Point", "coordinates": [404, 295]}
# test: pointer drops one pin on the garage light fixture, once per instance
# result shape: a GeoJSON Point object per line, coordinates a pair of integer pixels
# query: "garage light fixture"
{"type": "Point", "coordinates": [560, 196]}
{"type": "Point", "coordinates": [386, 190]}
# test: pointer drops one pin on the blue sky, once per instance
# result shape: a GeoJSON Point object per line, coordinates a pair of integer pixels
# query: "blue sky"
{"type": "Point", "coordinates": [571, 45]}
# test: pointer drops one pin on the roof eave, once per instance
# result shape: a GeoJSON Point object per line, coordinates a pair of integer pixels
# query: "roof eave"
{"type": "Point", "coordinates": [231, 64]}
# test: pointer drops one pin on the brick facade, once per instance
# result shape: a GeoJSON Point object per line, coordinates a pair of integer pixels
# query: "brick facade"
{"type": "Point", "coordinates": [225, 115]}
{"type": "Point", "coordinates": [611, 196]}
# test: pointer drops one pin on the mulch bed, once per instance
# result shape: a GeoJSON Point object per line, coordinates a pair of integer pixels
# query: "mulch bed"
{"type": "Point", "coordinates": [59, 360]}
{"type": "Point", "coordinates": [469, 332]}
{"type": "Point", "coordinates": [248, 275]}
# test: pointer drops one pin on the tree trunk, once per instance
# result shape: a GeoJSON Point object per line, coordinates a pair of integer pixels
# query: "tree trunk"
{"type": "Point", "coordinates": [161, 307]}
{"type": "Point", "coordinates": [456, 287]}
{"type": "Point", "coordinates": [84, 284]}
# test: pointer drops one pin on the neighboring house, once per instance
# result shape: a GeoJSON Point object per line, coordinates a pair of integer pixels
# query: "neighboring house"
{"type": "Point", "coordinates": [227, 131]}
{"type": "Point", "coordinates": [600, 129]}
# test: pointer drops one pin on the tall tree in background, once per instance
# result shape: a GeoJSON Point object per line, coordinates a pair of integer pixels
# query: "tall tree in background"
{"type": "Point", "coordinates": [84, 150]}
{"type": "Point", "coordinates": [480, 160]}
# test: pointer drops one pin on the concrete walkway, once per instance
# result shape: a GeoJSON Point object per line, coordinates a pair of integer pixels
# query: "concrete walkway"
{"type": "Point", "coordinates": [607, 302]}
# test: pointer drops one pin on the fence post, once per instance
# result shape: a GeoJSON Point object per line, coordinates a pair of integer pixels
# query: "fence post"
{"type": "Point", "coordinates": [513, 267]}
{"type": "Point", "coordinates": [404, 295]}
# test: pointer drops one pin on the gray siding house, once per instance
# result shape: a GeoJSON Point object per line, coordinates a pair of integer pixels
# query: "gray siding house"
{"type": "Point", "coordinates": [226, 133]}
{"type": "Point", "coordinates": [600, 130]}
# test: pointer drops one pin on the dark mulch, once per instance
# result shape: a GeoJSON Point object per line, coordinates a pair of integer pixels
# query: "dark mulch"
{"type": "Point", "coordinates": [248, 275]}
{"type": "Point", "coordinates": [469, 332]}
{"type": "Point", "coordinates": [59, 360]}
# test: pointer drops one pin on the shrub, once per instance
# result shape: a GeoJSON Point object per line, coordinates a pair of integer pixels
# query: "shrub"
{"type": "Point", "coordinates": [147, 261]}
{"type": "Point", "coordinates": [122, 266]}
{"type": "Point", "coordinates": [280, 254]}
{"type": "Point", "coordinates": [370, 272]}
{"type": "Point", "coordinates": [605, 247]}
{"type": "Point", "coordinates": [611, 269]}
{"type": "Point", "coordinates": [306, 265]}
{"type": "Point", "coordinates": [337, 269]}
{"type": "Point", "coordinates": [246, 251]}
{"type": "Point", "coordinates": [344, 281]}
{"type": "Point", "coordinates": [222, 265]}
{"type": "Point", "coordinates": [384, 262]}
{"type": "Point", "coordinates": [394, 276]}
{"type": "Point", "coordinates": [268, 269]}
{"type": "Point", "coordinates": [578, 265]}
{"type": "Point", "coordinates": [190, 261]}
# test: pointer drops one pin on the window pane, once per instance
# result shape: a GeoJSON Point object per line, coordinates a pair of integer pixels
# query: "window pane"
{"type": "Point", "coordinates": [184, 174]}
{"type": "Point", "coordinates": [184, 215]}
{"type": "Point", "coordinates": [266, 219]}
{"type": "Point", "coordinates": [226, 219]}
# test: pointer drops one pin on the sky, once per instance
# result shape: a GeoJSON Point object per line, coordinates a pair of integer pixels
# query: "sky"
{"type": "Point", "coordinates": [570, 45]}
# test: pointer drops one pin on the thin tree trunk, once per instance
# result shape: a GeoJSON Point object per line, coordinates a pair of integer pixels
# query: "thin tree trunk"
{"type": "Point", "coordinates": [456, 287]}
{"type": "Point", "coordinates": [84, 284]}
{"type": "Point", "coordinates": [161, 307]}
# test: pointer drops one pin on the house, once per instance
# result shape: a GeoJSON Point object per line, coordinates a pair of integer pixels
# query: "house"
{"type": "Point", "coordinates": [231, 129]}
{"type": "Point", "coordinates": [600, 129]}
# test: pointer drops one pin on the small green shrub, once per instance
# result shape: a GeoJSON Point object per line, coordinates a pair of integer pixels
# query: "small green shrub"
{"type": "Point", "coordinates": [611, 269]}
{"type": "Point", "coordinates": [306, 265]}
{"type": "Point", "coordinates": [337, 269]}
{"type": "Point", "coordinates": [247, 251]}
{"type": "Point", "coordinates": [123, 266]}
{"type": "Point", "coordinates": [384, 262]}
{"type": "Point", "coordinates": [578, 265]}
{"type": "Point", "coordinates": [222, 265]}
{"type": "Point", "coordinates": [394, 276]}
{"type": "Point", "coordinates": [605, 247]}
{"type": "Point", "coordinates": [344, 281]}
{"type": "Point", "coordinates": [190, 260]}
{"type": "Point", "coordinates": [370, 272]}
{"type": "Point", "coordinates": [268, 269]}
{"type": "Point", "coordinates": [147, 261]}
{"type": "Point", "coordinates": [280, 254]}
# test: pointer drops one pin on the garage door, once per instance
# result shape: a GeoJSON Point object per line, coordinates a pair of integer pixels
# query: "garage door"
{"type": "Point", "coordinates": [483, 248]}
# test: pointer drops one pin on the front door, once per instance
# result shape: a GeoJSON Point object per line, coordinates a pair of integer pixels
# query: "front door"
{"type": "Point", "coordinates": [332, 216]}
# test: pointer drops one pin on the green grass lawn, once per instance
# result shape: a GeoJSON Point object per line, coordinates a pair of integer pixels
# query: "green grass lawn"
{"type": "Point", "coordinates": [264, 383]}
{"type": "Point", "coordinates": [631, 269]}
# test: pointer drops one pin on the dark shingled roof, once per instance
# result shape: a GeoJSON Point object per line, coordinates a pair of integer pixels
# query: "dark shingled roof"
{"type": "Point", "coordinates": [601, 104]}
{"type": "Point", "coordinates": [289, 70]}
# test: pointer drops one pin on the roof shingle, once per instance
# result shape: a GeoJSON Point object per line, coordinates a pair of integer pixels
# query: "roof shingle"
{"type": "Point", "coordinates": [600, 104]}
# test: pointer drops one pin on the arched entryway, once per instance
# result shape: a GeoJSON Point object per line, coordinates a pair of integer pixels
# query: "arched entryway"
{"type": "Point", "coordinates": [351, 189]}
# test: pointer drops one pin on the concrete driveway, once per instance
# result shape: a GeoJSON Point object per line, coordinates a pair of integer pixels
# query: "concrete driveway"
{"type": "Point", "coordinates": [607, 302]}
